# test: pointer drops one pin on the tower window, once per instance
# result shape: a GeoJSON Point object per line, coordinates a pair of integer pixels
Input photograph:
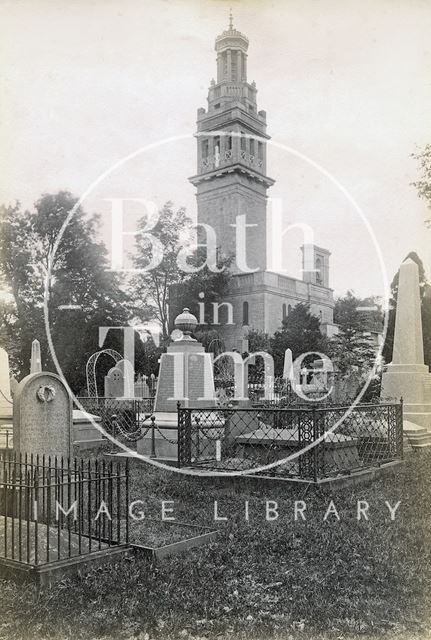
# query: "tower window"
{"type": "Point", "coordinates": [217, 106]}
{"type": "Point", "coordinates": [289, 309]}
{"type": "Point", "coordinates": [217, 151]}
{"type": "Point", "coordinates": [252, 147]}
{"type": "Point", "coordinates": [229, 143]}
{"type": "Point", "coordinates": [205, 148]}
{"type": "Point", "coordinates": [319, 277]}
{"type": "Point", "coordinates": [284, 314]}
{"type": "Point", "coordinates": [260, 150]}
{"type": "Point", "coordinates": [234, 69]}
{"type": "Point", "coordinates": [225, 63]}
{"type": "Point", "coordinates": [245, 313]}
{"type": "Point", "coordinates": [243, 141]}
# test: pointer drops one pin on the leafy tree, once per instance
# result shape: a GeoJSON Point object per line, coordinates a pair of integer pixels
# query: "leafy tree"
{"type": "Point", "coordinates": [423, 185]}
{"type": "Point", "coordinates": [258, 341]}
{"type": "Point", "coordinates": [299, 332]}
{"type": "Point", "coordinates": [426, 323]}
{"type": "Point", "coordinates": [204, 286]}
{"type": "Point", "coordinates": [352, 349]}
{"type": "Point", "coordinates": [82, 294]}
{"type": "Point", "coordinates": [163, 291]}
{"type": "Point", "coordinates": [150, 288]}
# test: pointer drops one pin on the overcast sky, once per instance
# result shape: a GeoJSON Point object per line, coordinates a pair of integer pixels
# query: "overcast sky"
{"type": "Point", "coordinates": [345, 83]}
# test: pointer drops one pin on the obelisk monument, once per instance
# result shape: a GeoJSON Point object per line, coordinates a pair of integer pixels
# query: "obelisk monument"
{"type": "Point", "coordinates": [36, 361]}
{"type": "Point", "coordinates": [407, 376]}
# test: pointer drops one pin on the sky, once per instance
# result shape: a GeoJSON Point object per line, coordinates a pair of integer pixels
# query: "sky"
{"type": "Point", "coordinates": [346, 85]}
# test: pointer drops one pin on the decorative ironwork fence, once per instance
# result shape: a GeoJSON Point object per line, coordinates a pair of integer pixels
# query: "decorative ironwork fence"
{"type": "Point", "coordinates": [321, 441]}
{"type": "Point", "coordinates": [123, 419]}
{"type": "Point", "coordinates": [55, 509]}
{"type": "Point", "coordinates": [273, 391]}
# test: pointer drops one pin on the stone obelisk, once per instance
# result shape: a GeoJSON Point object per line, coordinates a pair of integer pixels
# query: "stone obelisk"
{"type": "Point", "coordinates": [407, 376]}
{"type": "Point", "coordinates": [35, 362]}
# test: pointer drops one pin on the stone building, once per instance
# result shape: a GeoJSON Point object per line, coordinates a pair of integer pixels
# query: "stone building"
{"type": "Point", "coordinates": [232, 190]}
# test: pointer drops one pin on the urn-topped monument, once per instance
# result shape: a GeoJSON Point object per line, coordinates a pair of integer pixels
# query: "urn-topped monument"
{"type": "Point", "coordinates": [186, 376]}
{"type": "Point", "coordinates": [186, 370]}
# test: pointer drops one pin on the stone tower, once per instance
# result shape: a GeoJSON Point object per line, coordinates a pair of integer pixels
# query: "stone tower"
{"type": "Point", "coordinates": [232, 185]}
{"type": "Point", "coordinates": [231, 175]}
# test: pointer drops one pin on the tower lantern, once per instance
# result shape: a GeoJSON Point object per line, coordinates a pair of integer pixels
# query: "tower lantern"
{"type": "Point", "coordinates": [231, 47]}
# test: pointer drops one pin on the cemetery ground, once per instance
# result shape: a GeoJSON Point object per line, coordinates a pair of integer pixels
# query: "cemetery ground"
{"type": "Point", "coordinates": [282, 579]}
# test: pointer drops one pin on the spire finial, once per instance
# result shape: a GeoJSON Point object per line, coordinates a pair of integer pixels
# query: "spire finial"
{"type": "Point", "coordinates": [230, 20]}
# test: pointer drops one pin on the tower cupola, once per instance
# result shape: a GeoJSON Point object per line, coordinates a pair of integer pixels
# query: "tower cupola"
{"type": "Point", "coordinates": [231, 47]}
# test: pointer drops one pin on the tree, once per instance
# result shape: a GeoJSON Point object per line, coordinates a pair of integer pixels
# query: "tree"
{"type": "Point", "coordinates": [352, 349]}
{"type": "Point", "coordinates": [150, 288]}
{"type": "Point", "coordinates": [423, 185]}
{"type": "Point", "coordinates": [202, 287]}
{"type": "Point", "coordinates": [83, 294]}
{"type": "Point", "coordinates": [299, 332]}
{"type": "Point", "coordinates": [164, 290]}
{"type": "Point", "coordinates": [425, 303]}
{"type": "Point", "coordinates": [426, 323]}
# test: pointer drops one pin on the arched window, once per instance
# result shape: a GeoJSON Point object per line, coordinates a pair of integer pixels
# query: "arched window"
{"type": "Point", "coordinates": [245, 313]}
{"type": "Point", "coordinates": [284, 315]}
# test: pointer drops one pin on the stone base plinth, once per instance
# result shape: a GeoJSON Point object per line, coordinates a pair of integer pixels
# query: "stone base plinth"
{"type": "Point", "coordinates": [338, 452]}
{"type": "Point", "coordinates": [166, 436]}
{"type": "Point", "coordinates": [408, 381]}
{"type": "Point", "coordinates": [85, 434]}
{"type": "Point", "coordinates": [186, 375]}
{"type": "Point", "coordinates": [419, 414]}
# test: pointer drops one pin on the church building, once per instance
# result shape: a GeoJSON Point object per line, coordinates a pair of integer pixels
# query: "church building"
{"type": "Point", "coordinates": [232, 190]}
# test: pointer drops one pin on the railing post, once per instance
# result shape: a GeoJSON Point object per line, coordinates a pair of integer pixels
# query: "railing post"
{"type": "Point", "coordinates": [127, 502]}
{"type": "Point", "coordinates": [197, 420]}
{"type": "Point", "coordinates": [153, 437]}
{"type": "Point", "coordinates": [400, 428]}
{"type": "Point", "coordinates": [35, 507]}
{"type": "Point", "coordinates": [179, 434]}
{"type": "Point", "coordinates": [315, 447]}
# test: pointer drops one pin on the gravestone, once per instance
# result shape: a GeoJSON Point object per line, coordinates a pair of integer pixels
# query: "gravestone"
{"type": "Point", "coordinates": [119, 381]}
{"type": "Point", "coordinates": [42, 421]}
{"type": "Point", "coordinates": [114, 383]}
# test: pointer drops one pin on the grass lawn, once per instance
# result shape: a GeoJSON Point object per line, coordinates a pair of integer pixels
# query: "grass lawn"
{"type": "Point", "coordinates": [340, 579]}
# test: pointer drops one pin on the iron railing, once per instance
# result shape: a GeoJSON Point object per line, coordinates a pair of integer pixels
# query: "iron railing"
{"type": "Point", "coordinates": [321, 441]}
{"type": "Point", "coordinates": [54, 509]}
{"type": "Point", "coordinates": [124, 419]}
{"type": "Point", "coordinates": [272, 391]}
